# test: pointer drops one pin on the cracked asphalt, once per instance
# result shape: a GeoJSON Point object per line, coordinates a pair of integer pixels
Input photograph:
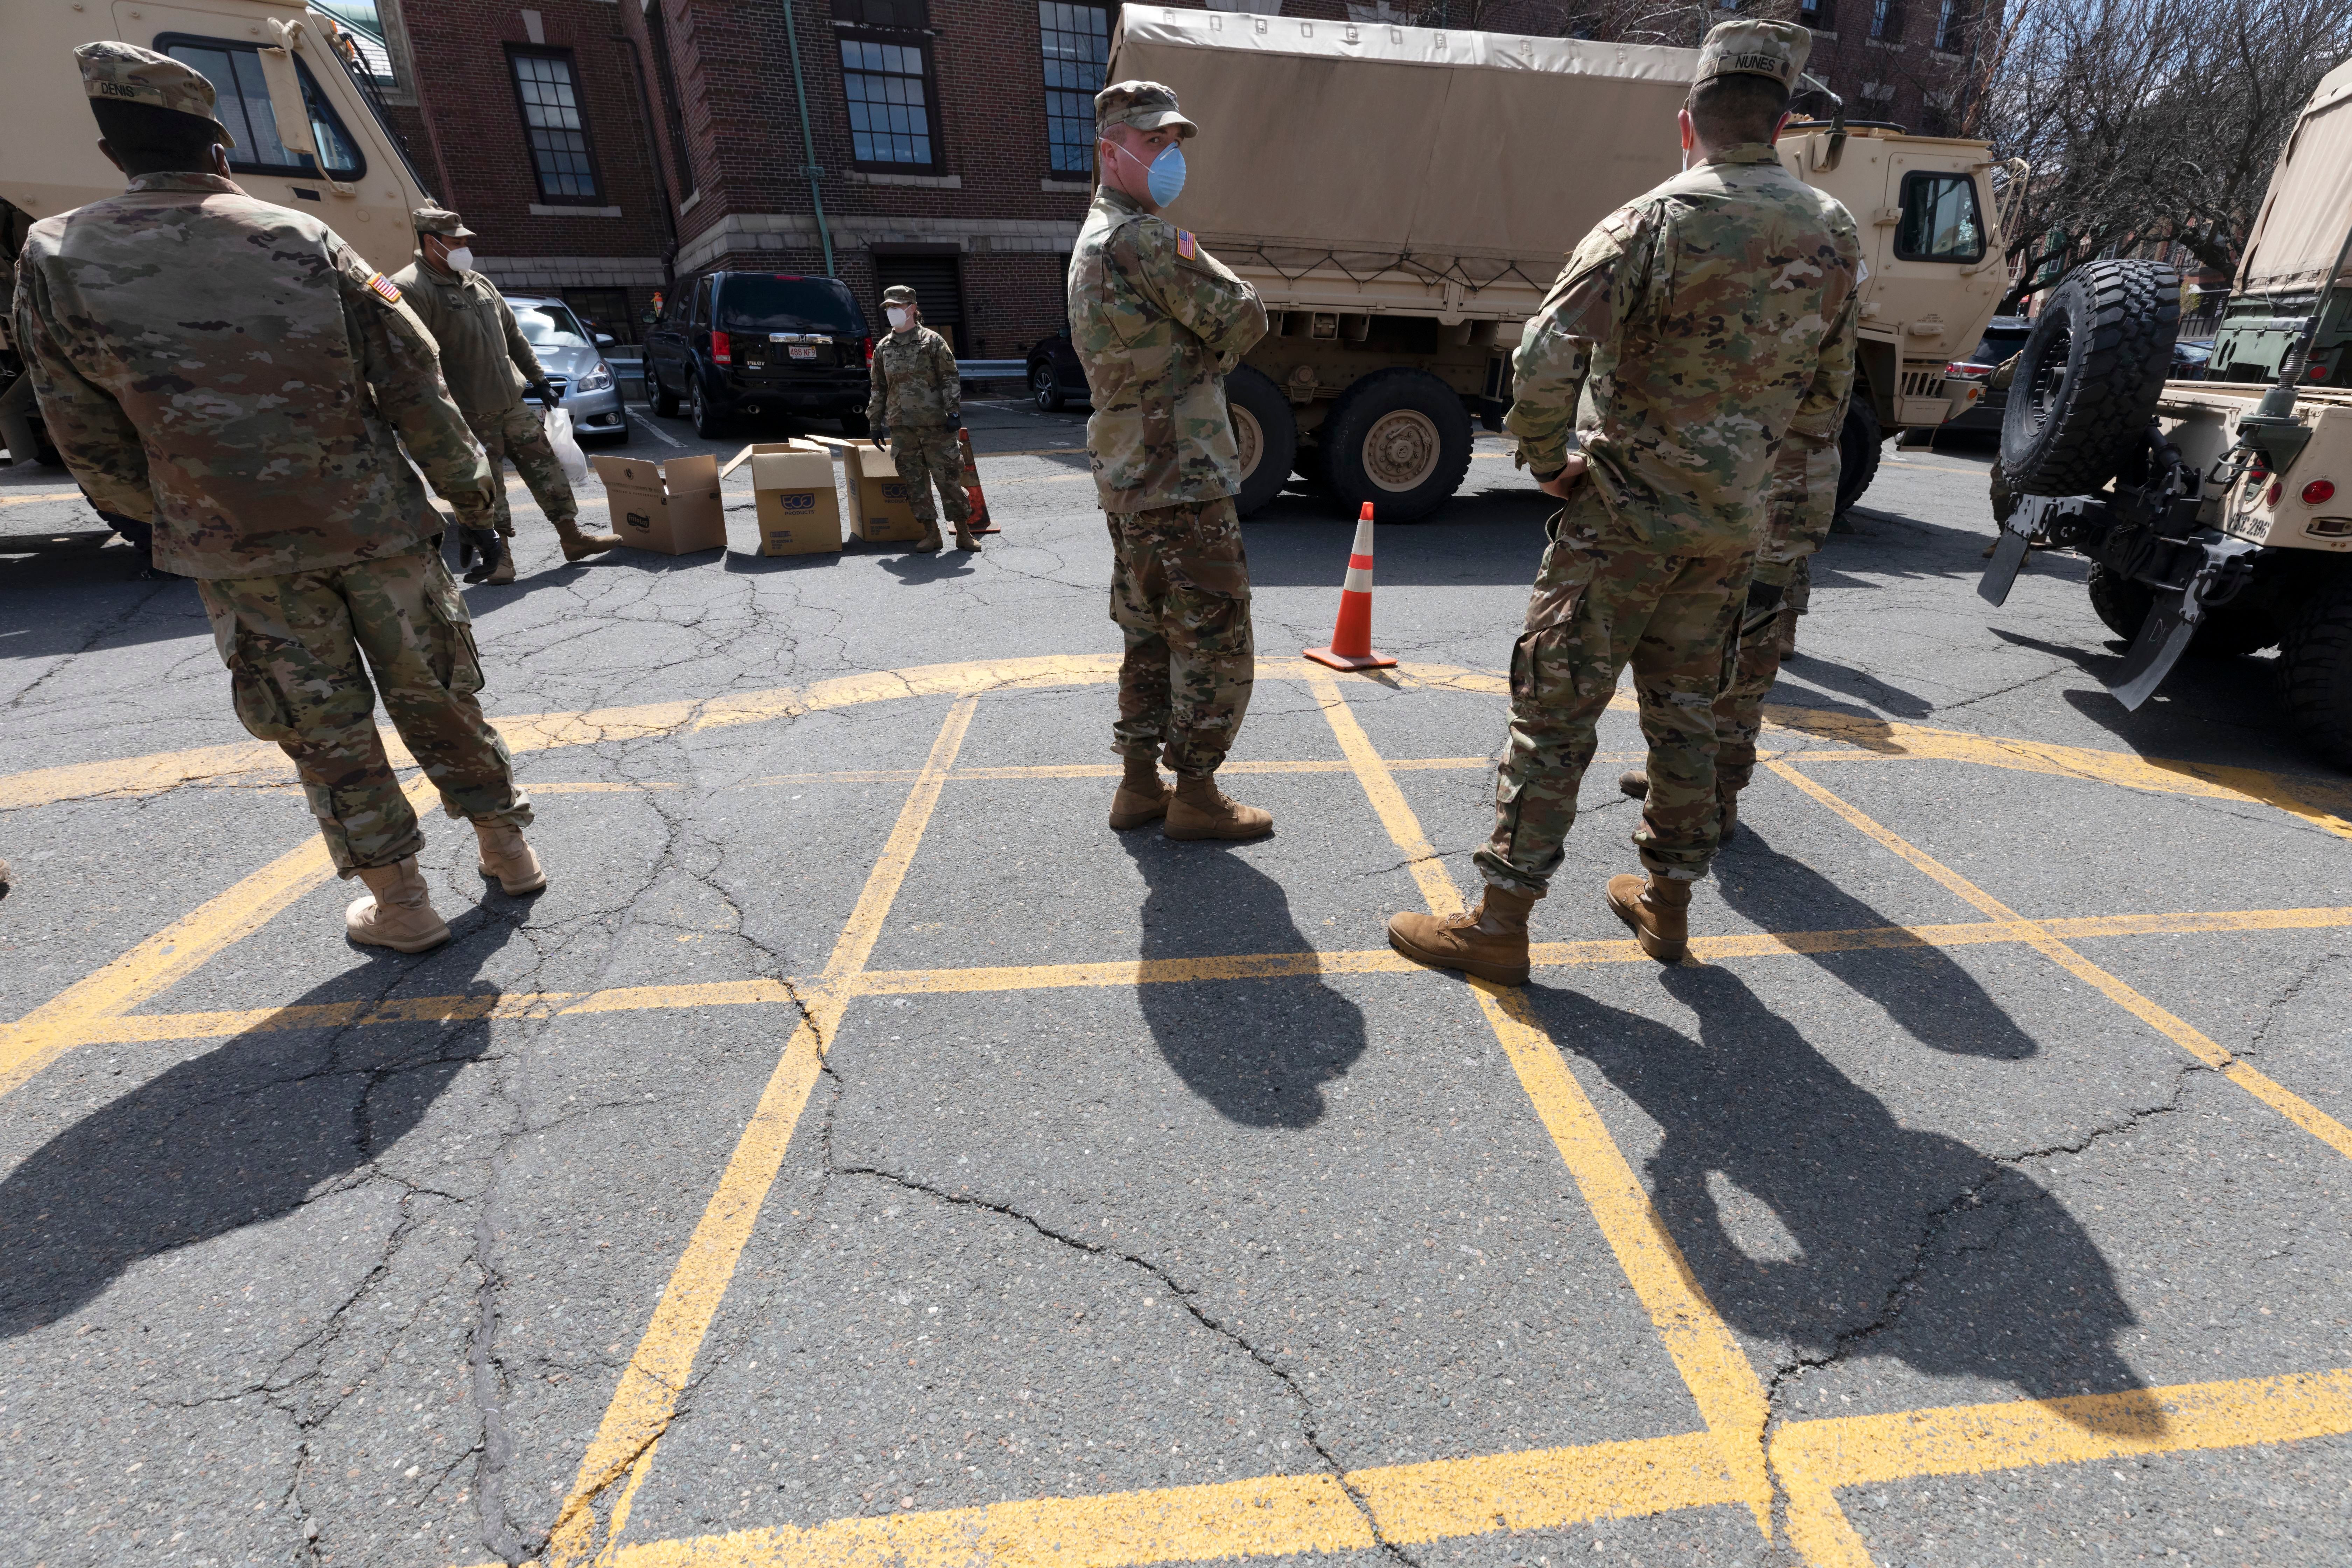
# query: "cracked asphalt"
{"type": "Point", "coordinates": [1989, 1148]}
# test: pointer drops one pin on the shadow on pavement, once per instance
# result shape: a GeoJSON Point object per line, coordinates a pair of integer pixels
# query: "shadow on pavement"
{"type": "Point", "coordinates": [1932, 998]}
{"type": "Point", "coordinates": [238, 1136]}
{"type": "Point", "coordinates": [1881, 1240]}
{"type": "Point", "coordinates": [1833, 679]}
{"type": "Point", "coordinates": [79, 591]}
{"type": "Point", "coordinates": [1259, 1051]}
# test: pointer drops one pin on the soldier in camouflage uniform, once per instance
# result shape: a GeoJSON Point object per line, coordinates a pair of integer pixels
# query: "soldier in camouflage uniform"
{"type": "Point", "coordinates": [1158, 323]}
{"type": "Point", "coordinates": [488, 366]}
{"type": "Point", "coordinates": [162, 327]}
{"type": "Point", "coordinates": [1691, 331]}
{"type": "Point", "coordinates": [918, 406]}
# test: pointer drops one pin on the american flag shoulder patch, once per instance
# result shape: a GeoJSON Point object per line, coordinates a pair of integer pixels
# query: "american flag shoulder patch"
{"type": "Point", "coordinates": [1186, 246]}
{"type": "Point", "coordinates": [386, 287]}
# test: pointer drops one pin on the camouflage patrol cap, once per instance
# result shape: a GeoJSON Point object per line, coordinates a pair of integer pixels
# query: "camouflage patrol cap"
{"type": "Point", "coordinates": [1774, 49]}
{"type": "Point", "coordinates": [1144, 105]}
{"type": "Point", "coordinates": [115, 72]}
{"type": "Point", "coordinates": [899, 294]}
{"type": "Point", "coordinates": [441, 221]}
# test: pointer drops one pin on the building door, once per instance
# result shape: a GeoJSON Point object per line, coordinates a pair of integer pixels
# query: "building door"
{"type": "Point", "coordinates": [938, 283]}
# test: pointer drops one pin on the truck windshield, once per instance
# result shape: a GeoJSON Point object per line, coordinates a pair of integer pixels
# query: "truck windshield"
{"type": "Point", "coordinates": [752, 304]}
{"type": "Point", "coordinates": [1939, 221]}
{"type": "Point", "coordinates": [242, 101]}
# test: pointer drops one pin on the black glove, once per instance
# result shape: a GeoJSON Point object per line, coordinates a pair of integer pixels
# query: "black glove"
{"type": "Point", "coordinates": [881, 435]}
{"type": "Point", "coordinates": [546, 393]}
{"type": "Point", "coordinates": [491, 547]}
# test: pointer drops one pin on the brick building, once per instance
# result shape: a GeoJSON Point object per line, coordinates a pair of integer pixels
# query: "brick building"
{"type": "Point", "coordinates": [607, 148]}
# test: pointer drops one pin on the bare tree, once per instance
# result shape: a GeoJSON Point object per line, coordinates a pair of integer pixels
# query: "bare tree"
{"type": "Point", "coordinates": [2148, 120]}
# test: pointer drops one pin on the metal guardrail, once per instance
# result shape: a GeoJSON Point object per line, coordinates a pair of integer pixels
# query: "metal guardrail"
{"type": "Point", "coordinates": [993, 370]}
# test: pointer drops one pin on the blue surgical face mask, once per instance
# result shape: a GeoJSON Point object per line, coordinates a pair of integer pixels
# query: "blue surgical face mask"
{"type": "Point", "coordinates": [1164, 175]}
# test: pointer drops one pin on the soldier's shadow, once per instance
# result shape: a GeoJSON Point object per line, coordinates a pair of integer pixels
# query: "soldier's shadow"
{"type": "Point", "coordinates": [936, 567]}
{"type": "Point", "coordinates": [1814, 1220]}
{"type": "Point", "coordinates": [237, 1136]}
{"type": "Point", "coordinates": [1260, 1051]}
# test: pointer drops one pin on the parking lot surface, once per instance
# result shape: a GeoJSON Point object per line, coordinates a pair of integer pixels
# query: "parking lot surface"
{"type": "Point", "coordinates": [860, 1154]}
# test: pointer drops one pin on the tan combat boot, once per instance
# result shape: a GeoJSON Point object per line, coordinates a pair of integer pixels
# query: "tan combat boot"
{"type": "Point", "coordinates": [1201, 810]}
{"type": "Point", "coordinates": [1636, 783]}
{"type": "Point", "coordinates": [397, 913]}
{"type": "Point", "coordinates": [506, 857]}
{"type": "Point", "coordinates": [1784, 632]}
{"type": "Point", "coordinates": [1142, 796]}
{"type": "Point", "coordinates": [1658, 910]}
{"type": "Point", "coordinates": [931, 543]}
{"type": "Point", "coordinates": [1489, 941]}
{"type": "Point", "coordinates": [498, 556]}
{"type": "Point", "coordinates": [965, 538]}
{"type": "Point", "coordinates": [579, 546]}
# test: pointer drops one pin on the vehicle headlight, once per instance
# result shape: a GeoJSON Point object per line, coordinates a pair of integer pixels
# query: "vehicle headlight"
{"type": "Point", "coordinates": [596, 380]}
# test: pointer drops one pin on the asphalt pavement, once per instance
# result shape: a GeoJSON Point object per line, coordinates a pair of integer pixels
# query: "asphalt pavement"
{"type": "Point", "coordinates": [859, 1154]}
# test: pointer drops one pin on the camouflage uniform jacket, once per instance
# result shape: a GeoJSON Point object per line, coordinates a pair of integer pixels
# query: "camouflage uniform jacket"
{"type": "Point", "coordinates": [231, 372]}
{"type": "Point", "coordinates": [915, 383]}
{"type": "Point", "coordinates": [1158, 323]}
{"type": "Point", "coordinates": [1691, 333]}
{"type": "Point", "coordinates": [485, 357]}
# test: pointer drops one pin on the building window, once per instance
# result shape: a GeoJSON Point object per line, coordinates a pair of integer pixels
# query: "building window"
{"type": "Point", "coordinates": [1881, 19]}
{"type": "Point", "coordinates": [1076, 41]}
{"type": "Point", "coordinates": [549, 98]}
{"type": "Point", "coordinates": [890, 103]}
{"type": "Point", "coordinates": [1947, 21]}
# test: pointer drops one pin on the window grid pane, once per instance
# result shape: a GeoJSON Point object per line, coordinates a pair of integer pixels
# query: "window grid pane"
{"type": "Point", "coordinates": [1077, 44]}
{"type": "Point", "coordinates": [550, 115]}
{"type": "Point", "coordinates": [889, 118]}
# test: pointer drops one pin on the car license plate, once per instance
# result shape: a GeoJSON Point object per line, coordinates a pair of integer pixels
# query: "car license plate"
{"type": "Point", "coordinates": [800, 351]}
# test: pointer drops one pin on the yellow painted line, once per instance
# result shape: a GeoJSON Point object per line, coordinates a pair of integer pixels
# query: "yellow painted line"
{"type": "Point", "coordinates": [2195, 1041]}
{"type": "Point", "coordinates": [45, 494]}
{"type": "Point", "coordinates": [1729, 1397]}
{"type": "Point", "coordinates": [1544, 1489]}
{"type": "Point", "coordinates": [2323, 802]}
{"type": "Point", "coordinates": [71, 1017]}
{"type": "Point", "coordinates": [1815, 1457]}
{"type": "Point", "coordinates": [658, 1372]}
{"type": "Point", "coordinates": [1125, 973]}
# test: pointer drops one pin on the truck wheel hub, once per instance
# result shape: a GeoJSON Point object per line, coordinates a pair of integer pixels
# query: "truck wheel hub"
{"type": "Point", "coordinates": [1401, 451]}
{"type": "Point", "coordinates": [1247, 440]}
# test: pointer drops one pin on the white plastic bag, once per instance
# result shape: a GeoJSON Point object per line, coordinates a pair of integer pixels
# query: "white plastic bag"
{"type": "Point", "coordinates": [568, 454]}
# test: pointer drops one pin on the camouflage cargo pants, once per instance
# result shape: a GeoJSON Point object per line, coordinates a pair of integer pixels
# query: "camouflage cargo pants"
{"type": "Point", "coordinates": [1803, 495]}
{"type": "Point", "coordinates": [1180, 590]}
{"type": "Point", "coordinates": [929, 455]}
{"type": "Point", "coordinates": [520, 434]}
{"type": "Point", "coordinates": [1605, 599]}
{"type": "Point", "coordinates": [294, 647]}
{"type": "Point", "coordinates": [1739, 713]}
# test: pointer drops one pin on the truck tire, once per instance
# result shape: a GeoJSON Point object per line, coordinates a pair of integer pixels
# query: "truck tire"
{"type": "Point", "coordinates": [2317, 674]}
{"type": "Point", "coordinates": [2231, 631]}
{"type": "Point", "coordinates": [2089, 377]}
{"type": "Point", "coordinates": [1400, 439]}
{"type": "Point", "coordinates": [1265, 431]}
{"type": "Point", "coordinates": [1859, 442]}
{"type": "Point", "coordinates": [2120, 604]}
{"type": "Point", "coordinates": [708, 422]}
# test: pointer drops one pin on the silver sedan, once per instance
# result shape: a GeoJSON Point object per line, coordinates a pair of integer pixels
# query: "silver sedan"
{"type": "Point", "coordinates": [573, 358]}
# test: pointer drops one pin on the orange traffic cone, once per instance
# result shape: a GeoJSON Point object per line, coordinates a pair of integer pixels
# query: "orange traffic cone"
{"type": "Point", "coordinates": [1351, 640]}
{"type": "Point", "coordinates": [979, 523]}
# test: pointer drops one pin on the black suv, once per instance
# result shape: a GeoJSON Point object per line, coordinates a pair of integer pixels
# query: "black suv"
{"type": "Point", "coordinates": [733, 342]}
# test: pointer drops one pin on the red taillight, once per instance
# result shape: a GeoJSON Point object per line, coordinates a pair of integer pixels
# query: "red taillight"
{"type": "Point", "coordinates": [2318, 491]}
{"type": "Point", "coordinates": [1966, 371]}
{"type": "Point", "coordinates": [721, 350]}
{"type": "Point", "coordinates": [2271, 496]}
{"type": "Point", "coordinates": [2317, 373]}
{"type": "Point", "coordinates": [869, 351]}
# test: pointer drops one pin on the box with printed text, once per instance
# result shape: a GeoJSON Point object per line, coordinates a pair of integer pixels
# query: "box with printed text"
{"type": "Point", "coordinates": [671, 508]}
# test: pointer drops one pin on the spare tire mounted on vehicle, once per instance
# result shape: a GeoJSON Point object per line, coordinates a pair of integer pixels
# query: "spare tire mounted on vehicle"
{"type": "Point", "coordinates": [2088, 379]}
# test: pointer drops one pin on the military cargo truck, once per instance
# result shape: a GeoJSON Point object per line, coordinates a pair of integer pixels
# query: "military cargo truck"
{"type": "Point", "coordinates": [1403, 197]}
{"type": "Point", "coordinates": [2302, 219]}
{"type": "Point", "coordinates": [307, 137]}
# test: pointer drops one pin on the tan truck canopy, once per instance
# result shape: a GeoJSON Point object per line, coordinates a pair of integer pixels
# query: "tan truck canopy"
{"type": "Point", "coordinates": [2301, 228]}
{"type": "Point", "coordinates": [1376, 143]}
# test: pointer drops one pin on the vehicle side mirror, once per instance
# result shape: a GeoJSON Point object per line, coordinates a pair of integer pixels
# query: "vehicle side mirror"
{"type": "Point", "coordinates": [605, 340]}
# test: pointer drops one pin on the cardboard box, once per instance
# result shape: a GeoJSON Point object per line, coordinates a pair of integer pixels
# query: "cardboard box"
{"type": "Point", "coordinates": [791, 488]}
{"type": "Point", "coordinates": [672, 508]}
{"type": "Point", "coordinates": [878, 512]}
